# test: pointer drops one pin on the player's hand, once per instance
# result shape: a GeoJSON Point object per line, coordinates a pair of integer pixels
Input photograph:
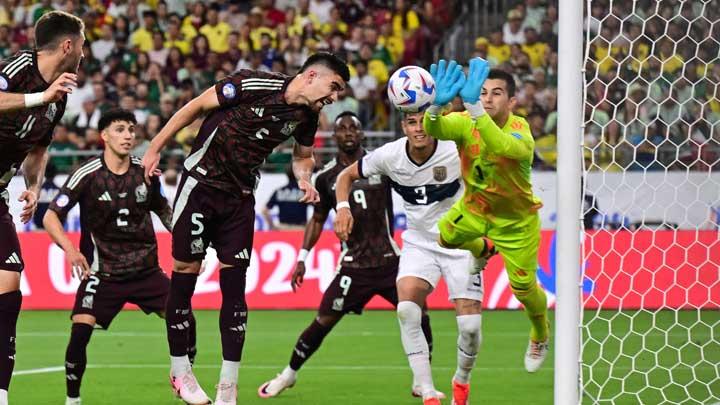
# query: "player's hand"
{"type": "Point", "coordinates": [298, 276]}
{"type": "Point", "coordinates": [150, 162]}
{"type": "Point", "coordinates": [311, 194]}
{"type": "Point", "coordinates": [449, 79]}
{"type": "Point", "coordinates": [343, 224]}
{"type": "Point", "coordinates": [60, 87]}
{"type": "Point", "coordinates": [80, 266]}
{"type": "Point", "coordinates": [479, 70]}
{"type": "Point", "coordinates": [30, 205]}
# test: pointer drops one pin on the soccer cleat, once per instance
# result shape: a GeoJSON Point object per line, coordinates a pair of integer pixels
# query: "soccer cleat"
{"type": "Point", "coordinates": [479, 263]}
{"type": "Point", "coordinates": [535, 355]}
{"type": "Point", "coordinates": [72, 401]}
{"type": "Point", "coordinates": [226, 394]}
{"type": "Point", "coordinates": [417, 393]}
{"type": "Point", "coordinates": [275, 386]}
{"type": "Point", "coordinates": [432, 401]}
{"type": "Point", "coordinates": [461, 392]}
{"type": "Point", "coordinates": [187, 388]}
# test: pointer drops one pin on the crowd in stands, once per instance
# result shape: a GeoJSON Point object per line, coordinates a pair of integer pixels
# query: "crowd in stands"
{"type": "Point", "coordinates": [652, 70]}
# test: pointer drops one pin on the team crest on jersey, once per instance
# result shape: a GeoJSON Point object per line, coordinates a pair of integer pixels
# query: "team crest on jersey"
{"type": "Point", "coordinates": [196, 246]}
{"type": "Point", "coordinates": [440, 173]}
{"type": "Point", "coordinates": [289, 127]}
{"type": "Point", "coordinates": [141, 193]}
{"type": "Point", "coordinates": [62, 200]}
{"type": "Point", "coordinates": [338, 304]}
{"type": "Point", "coordinates": [87, 301]}
{"type": "Point", "coordinates": [3, 83]}
{"type": "Point", "coordinates": [50, 113]}
{"type": "Point", "coordinates": [228, 90]}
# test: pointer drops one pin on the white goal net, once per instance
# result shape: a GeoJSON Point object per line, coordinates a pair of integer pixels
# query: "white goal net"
{"type": "Point", "coordinates": [650, 329]}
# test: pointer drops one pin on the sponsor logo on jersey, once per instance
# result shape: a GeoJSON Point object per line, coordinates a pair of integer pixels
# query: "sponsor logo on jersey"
{"type": "Point", "coordinates": [289, 127]}
{"type": "Point", "coordinates": [440, 173]}
{"type": "Point", "coordinates": [62, 200]}
{"type": "Point", "coordinates": [338, 304]}
{"type": "Point", "coordinates": [3, 83]}
{"type": "Point", "coordinates": [87, 301]}
{"type": "Point", "coordinates": [141, 193]}
{"type": "Point", "coordinates": [228, 90]}
{"type": "Point", "coordinates": [197, 246]}
{"type": "Point", "coordinates": [50, 113]}
{"type": "Point", "coordinates": [516, 125]}
{"type": "Point", "coordinates": [259, 111]}
{"type": "Point", "coordinates": [516, 135]}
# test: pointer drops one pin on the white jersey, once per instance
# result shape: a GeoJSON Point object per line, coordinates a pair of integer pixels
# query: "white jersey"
{"type": "Point", "coordinates": [428, 190]}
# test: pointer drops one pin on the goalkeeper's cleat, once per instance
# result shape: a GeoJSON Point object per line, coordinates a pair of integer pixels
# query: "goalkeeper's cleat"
{"type": "Point", "coordinates": [461, 392]}
{"type": "Point", "coordinates": [479, 263]}
{"type": "Point", "coordinates": [417, 393]}
{"type": "Point", "coordinates": [72, 401]}
{"type": "Point", "coordinates": [535, 355]}
{"type": "Point", "coordinates": [187, 388]}
{"type": "Point", "coordinates": [226, 394]}
{"type": "Point", "coordinates": [275, 386]}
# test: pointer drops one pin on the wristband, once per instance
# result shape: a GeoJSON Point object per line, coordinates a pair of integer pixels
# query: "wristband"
{"type": "Point", "coordinates": [342, 204]}
{"type": "Point", "coordinates": [476, 109]}
{"type": "Point", "coordinates": [302, 255]}
{"type": "Point", "coordinates": [33, 100]}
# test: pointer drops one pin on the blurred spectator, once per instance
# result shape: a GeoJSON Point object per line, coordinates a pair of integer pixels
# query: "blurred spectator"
{"type": "Point", "coordinates": [547, 35]}
{"type": "Point", "coordinates": [174, 38]}
{"type": "Point", "coordinates": [364, 86]}
{"type": "Point", "coordinates": [103, 46]}
{"type": "Point", "coordinates": [141, 141]}
{"type": "Point", "coordinates": [534, 14]}
{"type": "Point", "coordinates": [62, 143]}
{"type": "Point", "coordinates": [512, 29]}
{"type": "Point", "coordinates": [142, 37]}
{"type": "Point", "coordinates": [90, 114]}
{"type": "Point", "coordinates": [498, 50]}
{"type": "Point", "coordinates": [321, 9]}
{"type": "Point", "coordinates": [159, 53]}
{"type": "Point", "coordinates": [48, 191]}
{"type": "Point", "coordinates": [405, 20]}
{"type": "Point", "coordinates": [215, 30]}
{"type": "Point", "coordinates": [291, 213]}
{"type": "Point", "coordinates": [346, 102]}
{"type": "Point", "coordinates": [536, 51]}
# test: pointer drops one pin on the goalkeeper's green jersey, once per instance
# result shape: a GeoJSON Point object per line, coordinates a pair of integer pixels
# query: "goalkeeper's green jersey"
{"type": "Point", "coordinates": [495, 164]}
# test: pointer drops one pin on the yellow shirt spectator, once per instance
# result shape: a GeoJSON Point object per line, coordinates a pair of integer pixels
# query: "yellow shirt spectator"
{"type": "Point", "coordinates": [672, 63]}
{"type": "Point", "coordinates": [536, 52]}
{"type": "Point", "coordinates": [378, 70]}
{"type": "Point", "coordinates": [395, 45]}
{"type": "Point", "coordinates": [256, 35]}
{"type": "Point", "coordinates": [188, 30]}
{"type": "Point", "coordinates": [217, 36]}
{"type": "Point", "coordinates": [183, 45]}
{"type": "Point", "coordinates": [142, 39]}
{"type": "Point", "coordinates": [328, 28]}
{"type": "Point", "coordinates": [412, 24]}
{"type": "Point", "coordinates": [501, 53]}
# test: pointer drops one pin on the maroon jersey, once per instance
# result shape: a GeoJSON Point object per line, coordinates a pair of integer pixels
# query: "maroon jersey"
{"type": "Point", "coordinates": [22, 129]}
{"type": "Point", "coordinates": [371, 242]}
{"type": "Point", "coordinates": [117, 236]}
{"type": "Point", "coordinates": [253, 118]}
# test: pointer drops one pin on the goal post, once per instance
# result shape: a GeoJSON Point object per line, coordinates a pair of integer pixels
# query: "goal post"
{"type": "Point", "coordinates": [638, 293]}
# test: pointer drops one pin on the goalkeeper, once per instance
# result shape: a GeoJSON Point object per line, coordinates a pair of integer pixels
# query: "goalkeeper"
{"type": "Point", "coordinates": [498, 210]}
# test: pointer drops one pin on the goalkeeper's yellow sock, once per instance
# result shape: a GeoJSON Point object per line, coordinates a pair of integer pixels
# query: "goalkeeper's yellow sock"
{"type": "Point", "coordinates": [535, 302]}
{"type": "Point", "coordinates": [479, 247]}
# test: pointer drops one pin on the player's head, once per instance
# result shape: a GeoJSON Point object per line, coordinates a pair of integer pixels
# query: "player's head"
{"type": "Point", "coordinates": [323, 76]}
{"type": "Point", "coordinates": [348, 132]}
{"type": "Point", "coordinates": [498, 94]}
{"type": "Point", "coordinates": [412, 127]}
{"type": "Point", "coordinates": [61, 34]}
{"type": "Point", "coordinates": [117, 130]}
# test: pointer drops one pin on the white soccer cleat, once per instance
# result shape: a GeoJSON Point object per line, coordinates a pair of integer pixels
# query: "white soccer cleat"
{"type": "Point", "coordinates": [417, 393]}
{"type": "Point", "coordinates": [226, 394]}
{"type": "Point", "coordinates": [187, 388]}
{"type": "Point", "coordinates": [535, 355]}
{"type": "Point", "coordinates": [73, 401]}
{"type": "Point", "coordinates": [275, 386]}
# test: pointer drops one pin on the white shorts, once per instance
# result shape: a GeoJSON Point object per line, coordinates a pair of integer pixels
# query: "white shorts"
{"type": "Point", "coordinates": [423, 258]}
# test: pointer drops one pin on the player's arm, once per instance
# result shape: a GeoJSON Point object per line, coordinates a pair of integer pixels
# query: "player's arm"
{"type": "Point", "coordinates": [343, 218]}
{"type": "Point", "coordinates": [33, 169]}
{"type": "Point", "coordinates": [201, 104]}
{"type": "Point", "coordinates": [516, 145]}
{"type": "Point", "coordinates": [453, 126]}
{"type": "Point", "coordinates": [449, 79]}
{"type": "Point", "coordinates": [303, 164]}
{"type": "Point", "coordinates": [17, 101]}
{"type": "Point", "coordinates": [313, 230]}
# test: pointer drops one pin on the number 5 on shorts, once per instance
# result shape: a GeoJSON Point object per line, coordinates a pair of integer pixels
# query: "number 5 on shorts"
{"type": "Point", "coordinates": [345, 282]}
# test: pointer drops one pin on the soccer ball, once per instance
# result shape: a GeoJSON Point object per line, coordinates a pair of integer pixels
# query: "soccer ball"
{"type": "Point", "coordinates": [411, 89]}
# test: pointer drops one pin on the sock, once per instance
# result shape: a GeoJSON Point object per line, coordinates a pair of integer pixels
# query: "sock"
{"type": "Point", "coordinates": [76, 357]}
{"type": "Point", "coordinates": [289, 374]}
{"type": "Point", "coordinates": [192, 340]}
{"type": "Point", "coordinates": [9, 310]}
{"type": "Point", "coordinates": [233, 312]}
{"type": "Point", "coordinates": [469, 340]}
{"type": "Point", "coordinates": [535, 302]}
{"type": "Point", "coordinates": [179, 311]}
{"type": "Point", "coordinates": [479, 247]}
{"type": "Point", "coordinates": [307, 343]}
{"type": "Point", "coordinates": [415, 345]}
{"type": "Point", "coordinates": [427, 331]}
{"type": "Point", "coordinates": [179, 365]}
{"type": "Point", "coordinates": [3, 397]}
{"type": "Point", "coordinates": [229, 371]}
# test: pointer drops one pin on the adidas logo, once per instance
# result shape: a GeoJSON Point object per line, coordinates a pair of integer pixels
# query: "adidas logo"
{"type": "Point", "coordinates": [13, 259]}
{"type": "Point", "coordinates": [105, 197]}
{"type": "Point", "coordinates": [258, 111]}
{"type": "Point", "coordinates": [243, 255]}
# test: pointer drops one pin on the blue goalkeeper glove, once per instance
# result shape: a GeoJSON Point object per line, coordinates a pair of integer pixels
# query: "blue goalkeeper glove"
{"type": "Point", "coordinates": [449, 79]}
{"type": "Point", "coordinates": [479, 70]}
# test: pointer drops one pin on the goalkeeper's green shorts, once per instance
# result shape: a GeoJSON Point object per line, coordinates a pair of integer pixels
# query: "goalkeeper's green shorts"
{"type": "Point", "coordinates": [516, 241]}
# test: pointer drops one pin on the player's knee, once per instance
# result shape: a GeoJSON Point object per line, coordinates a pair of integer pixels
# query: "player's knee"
{"type": "Point", "coordinates": [328, 321]}
{"type": "Point", "coordinates": [86, 319]}
{"type": "Point", "coordinates": [470, 331]}
{"type": "Point", "coordinates": [186, 267]}
{"type": "Point", "coordinates": [409, 312]}
{"type": "Point", "coordinates": [523, 286]}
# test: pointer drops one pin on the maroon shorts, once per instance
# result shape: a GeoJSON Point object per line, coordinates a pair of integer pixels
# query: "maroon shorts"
{"type": "Point", "coordinates": [352, 289]}
{"type": "Point", "coordinates": [10, 256]}
{"type": "Point", "coordinates": [103, 299]}
{"type": "Point", "coordinates": [204, 215]}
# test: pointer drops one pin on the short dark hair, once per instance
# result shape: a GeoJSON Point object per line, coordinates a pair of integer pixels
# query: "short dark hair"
{"type": "Point", "coordinates": [509, 80]}
{"type": "Point", "coordinates": [330, 61]}
{"type": "Point", "coordinates": [347, 114]}
{"type": "Point", "coordinates": [55, 26]}
{"type": "Point", "coordinates": [115, 114]}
